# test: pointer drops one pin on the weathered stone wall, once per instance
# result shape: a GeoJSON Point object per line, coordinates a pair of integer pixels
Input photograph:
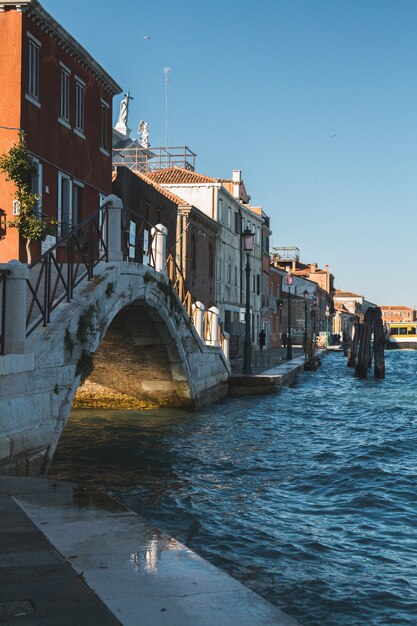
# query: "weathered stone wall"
{"type": "Point", "coordinates": [146, 350]}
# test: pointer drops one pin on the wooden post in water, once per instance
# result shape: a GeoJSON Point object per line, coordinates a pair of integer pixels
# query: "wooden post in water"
{"type": "Point", "coordinates": [365, 350]}
{"type": "Point", "coordinates": [379, 345]}
{"type": "Point", "coordinates": [354, 343]}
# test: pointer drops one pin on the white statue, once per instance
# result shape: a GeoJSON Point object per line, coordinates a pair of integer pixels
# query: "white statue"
{"type": "Point", "coordinates": [124, 110]}
{"type": "Point", "coordinates": [143, 131]}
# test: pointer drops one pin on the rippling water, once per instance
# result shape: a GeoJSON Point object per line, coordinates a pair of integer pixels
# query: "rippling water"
{"type": "Point", "coordinates": [308, 496]}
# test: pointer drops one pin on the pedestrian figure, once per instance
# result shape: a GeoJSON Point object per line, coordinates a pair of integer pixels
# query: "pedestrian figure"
{"type": "Point", "coordinates": [261, 339]}
{"type": "Point", "coordinates": [284, 338]}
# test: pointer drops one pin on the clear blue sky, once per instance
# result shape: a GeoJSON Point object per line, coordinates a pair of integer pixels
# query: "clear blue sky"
{"type": "Point", "coordinates": [262, 87]}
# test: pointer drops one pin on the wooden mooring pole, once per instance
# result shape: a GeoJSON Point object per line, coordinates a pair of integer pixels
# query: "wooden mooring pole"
{"type": "Point", "coordinates": [379, 344]}
{"type": "Point", "coordinates": [354, 344]}
{"type": "Point", "coordinates": [365, 350]}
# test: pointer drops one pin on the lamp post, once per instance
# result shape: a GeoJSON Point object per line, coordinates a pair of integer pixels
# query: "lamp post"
{"type": "Point", "coordinates": [247, 241]}
{"type": "Point", "coordinates": [288, 280]}
{"type": "Point", "coordinates": [327, 323]}
{"type": "Point", "coordinates": [305, 294]}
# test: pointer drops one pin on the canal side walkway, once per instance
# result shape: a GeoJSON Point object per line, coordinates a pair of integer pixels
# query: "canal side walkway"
{"type": "Point", "coordinates": [70, 557]}
{"type": "Point", "coordinates": [270, 371]}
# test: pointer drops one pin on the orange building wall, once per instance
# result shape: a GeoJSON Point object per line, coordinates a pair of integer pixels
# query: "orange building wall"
{"type": "Point", "coordinates": [10, 108]}
{"type": "Point", "coordinates": [57, 147]}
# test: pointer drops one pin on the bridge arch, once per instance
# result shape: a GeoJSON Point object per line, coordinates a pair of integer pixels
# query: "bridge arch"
{"type": "Point", "coordinates": [129, 320]}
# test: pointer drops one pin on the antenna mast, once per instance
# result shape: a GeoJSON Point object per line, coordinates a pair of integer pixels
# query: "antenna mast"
{"type": "Point", "coordinates": [166, 72]}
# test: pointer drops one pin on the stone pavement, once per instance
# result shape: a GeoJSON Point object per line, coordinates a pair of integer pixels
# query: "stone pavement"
{"type": "Point", "coordinates": [69, 557]}
{"type": "Point", "coordinates": [265, 359]}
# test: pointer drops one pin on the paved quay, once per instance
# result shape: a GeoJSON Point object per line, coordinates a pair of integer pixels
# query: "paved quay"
{"type": "Point", "coordinates": [270, 371]}
{"type": "Point", "coordinates": [72, 557]}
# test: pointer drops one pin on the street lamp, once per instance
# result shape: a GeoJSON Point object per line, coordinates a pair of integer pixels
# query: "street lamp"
{"type": "Point", "coordinates": [327, 322]}
{"type": "Point", "coordinates": [247, 241]}
{"type": "Point", "coordinates": [288, 280]}
{"type": "Point", "coordinates": [305, 294]}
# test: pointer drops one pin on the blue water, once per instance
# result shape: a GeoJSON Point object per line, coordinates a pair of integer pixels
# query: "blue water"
{"type": "Point", "coordinates": [308, 496]}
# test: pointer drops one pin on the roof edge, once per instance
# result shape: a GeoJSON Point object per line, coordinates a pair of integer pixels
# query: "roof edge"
{"type": "Point", "coordinates": [34, 8]}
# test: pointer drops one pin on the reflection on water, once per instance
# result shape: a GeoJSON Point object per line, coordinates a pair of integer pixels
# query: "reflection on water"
{"type": "Point", "coordinates": [308, 496]}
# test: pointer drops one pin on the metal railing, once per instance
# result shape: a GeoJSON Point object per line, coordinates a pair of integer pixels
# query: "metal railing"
{"type": "Point", "coordinates": [54, 276]}
{"type": "Point", "coordinates": [149, 159]}
{"type": "Point", "coordinates": [3, 288]}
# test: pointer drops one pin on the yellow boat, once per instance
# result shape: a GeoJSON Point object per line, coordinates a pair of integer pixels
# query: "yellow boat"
{"type": "Point", "coordinates": [402, 335]}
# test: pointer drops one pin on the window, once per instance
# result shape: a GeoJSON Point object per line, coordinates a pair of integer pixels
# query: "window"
{"type": "Point", "coordinates": [258, 235]}
{"type": "Point", "coordinates": [79, 104]}
{"type": "Point", "coordinates": [229, 217]}
{"type": "Point", "coordinates": [401, 313]}
{"type": "Point", "coordinates": [34, 47]}
{"type": "Point", "coordinates": [65, 76]}
{"type": "Point", "coordinates": [384, 314]}
{"type": "Point", "coordinates": [77, 202]}
{"type": "Point", "coordinates": [238, 224]}
{"type": "Point", "coordinates": [64, 204]}
{"type": "Point", "coordinates": [104, 125]}
{"type": "Point", "coordinates": [258, 284]}
{"type": "Point", "coordinates": [228, 273]}
{"type": "Point", "coordinates": [235, 276]}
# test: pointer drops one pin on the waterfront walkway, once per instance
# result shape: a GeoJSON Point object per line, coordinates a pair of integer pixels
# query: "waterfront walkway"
{"type": "Point", "coordinates": [73, 558]}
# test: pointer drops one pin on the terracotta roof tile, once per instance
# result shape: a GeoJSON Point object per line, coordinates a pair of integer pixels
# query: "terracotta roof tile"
{"type": "Point", "coordinates": [178, 175]}
{"type": "Point", "coordinates": [346, 294]}
{"type": "Point", "coordinates": [396, 308]}
{"type": "Point", "coordinates": [165, 192]}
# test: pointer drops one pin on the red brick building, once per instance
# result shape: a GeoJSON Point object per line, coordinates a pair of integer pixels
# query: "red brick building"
{"type": "Point", "coordinates": [398, 313]}
{"type": "Point", "coordinates": [53, 90]}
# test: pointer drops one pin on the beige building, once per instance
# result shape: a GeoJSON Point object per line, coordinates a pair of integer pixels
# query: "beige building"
{"type": "Point", "coordinates": [227, 203]}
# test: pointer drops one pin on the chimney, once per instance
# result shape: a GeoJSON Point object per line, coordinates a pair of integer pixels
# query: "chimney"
{"type": "Point", "coordinates": [326, 267]}
{"type": "Point", "coordinates": [313, 268]}
{"type": "Point", "coordinates": [237, 179]}
{"type": "Point", "coordinates": [293, 265]}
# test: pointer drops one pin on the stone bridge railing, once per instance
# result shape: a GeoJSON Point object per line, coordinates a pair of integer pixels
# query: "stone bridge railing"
{"type": "Point", "coordinates": [29, 295]}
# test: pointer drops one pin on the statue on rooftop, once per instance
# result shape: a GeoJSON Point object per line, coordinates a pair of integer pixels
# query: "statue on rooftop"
{"type": "Point", "coordinates": [124, 110]}
{"type": "Point", "coordinates": [143, 131]}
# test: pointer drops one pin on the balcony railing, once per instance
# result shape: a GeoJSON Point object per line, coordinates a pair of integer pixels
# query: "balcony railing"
{"type": "Point", "coordinates": [150, 159]}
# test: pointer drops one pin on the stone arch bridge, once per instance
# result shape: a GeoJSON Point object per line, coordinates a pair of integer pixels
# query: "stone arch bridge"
{"type": "Point", "coordinates": [103, 295]}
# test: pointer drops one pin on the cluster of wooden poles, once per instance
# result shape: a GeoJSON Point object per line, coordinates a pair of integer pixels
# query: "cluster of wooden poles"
{"type": "Point", "coordinates": [362, 349]}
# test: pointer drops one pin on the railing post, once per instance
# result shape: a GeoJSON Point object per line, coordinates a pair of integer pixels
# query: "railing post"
{"type": "Point", "coordinates": [213, 314]}
{"type": "Point", "coordinates": [114, 228]}
{"type": "Point", "coordinates": [225, 344]}
{"type": "Point", "coordinates": [198, 318]}
{"type": "Point", "coordinates": [15, 307]}
{"type": "Point", "coordinates": [159, 247]}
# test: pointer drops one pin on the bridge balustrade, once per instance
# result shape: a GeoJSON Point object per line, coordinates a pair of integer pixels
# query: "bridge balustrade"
{"type": "Point", "coordinates": [111, 233]}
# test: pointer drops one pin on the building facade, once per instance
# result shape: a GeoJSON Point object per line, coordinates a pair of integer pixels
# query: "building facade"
{"type": "Point", "coordinates": [192, 235]}
{"type": "Point", "coordinates": [227, 203]}
{"type": "Point", "coordinates": [61, 98]}
{"type": "Point", "coordinates": [398, 313]}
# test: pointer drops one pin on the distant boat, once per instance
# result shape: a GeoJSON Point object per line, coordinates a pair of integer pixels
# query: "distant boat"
{"type": "Point", "coordinates": [402, 336]}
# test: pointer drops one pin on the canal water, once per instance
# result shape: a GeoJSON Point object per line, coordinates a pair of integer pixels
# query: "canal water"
{"type": "Point", "coordinates": [309, 496]}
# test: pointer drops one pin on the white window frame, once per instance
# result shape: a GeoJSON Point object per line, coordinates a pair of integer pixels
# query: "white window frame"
{"type": "Point", "coordinates": [64, 105]}
{"type": "Point", "coordinates": [61, 177]}
{"type": "Point", "coordinates": [104, 148]}
{"type": "Point", "coordinates": [79, 107]}
{"type": "Point", "coordinates": [34, 46]}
